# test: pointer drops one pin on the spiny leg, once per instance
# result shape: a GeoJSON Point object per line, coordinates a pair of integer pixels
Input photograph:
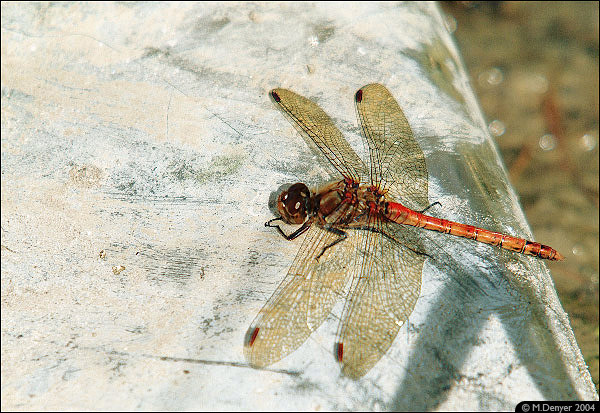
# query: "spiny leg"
{"type": "Point", "coordinates": [294, 234]}
{"type": "Point", "coordinates": [436, 202]}
{"type": "Point", "coordinates": [342, 236]}
{"type": "Point", "coordinates": [388, 236]}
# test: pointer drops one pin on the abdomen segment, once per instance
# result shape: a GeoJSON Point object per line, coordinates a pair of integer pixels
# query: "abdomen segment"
{"type": "Point", "coordinates": [400, 214]}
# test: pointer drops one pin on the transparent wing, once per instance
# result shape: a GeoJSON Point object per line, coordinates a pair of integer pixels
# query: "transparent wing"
{"type": "Point", "coordinates": [317, 128]}
{"type": "Point", "coordinates": [397, 162]}
{"type": "Point", "coordinates": [385, 287]}
{"type": "Point", "coordinates": [303, 299]}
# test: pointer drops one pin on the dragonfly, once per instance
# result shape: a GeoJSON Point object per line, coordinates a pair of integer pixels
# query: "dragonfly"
{"type": "Point", "coordinates": [353, 237]}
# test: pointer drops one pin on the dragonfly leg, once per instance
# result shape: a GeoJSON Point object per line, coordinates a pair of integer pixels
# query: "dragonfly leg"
{"type": "Point", "coordinates": [342, 236]}
{"type": "Point", "coordinates": [436, 202]}
{"type": "Point", "coordinates": [294, 234]}
{"type": "Point", "coordinates": [391, 238]}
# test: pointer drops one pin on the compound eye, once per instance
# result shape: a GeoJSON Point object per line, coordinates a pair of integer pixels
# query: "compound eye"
{"type": "Point", "coordinates": [292, 204]}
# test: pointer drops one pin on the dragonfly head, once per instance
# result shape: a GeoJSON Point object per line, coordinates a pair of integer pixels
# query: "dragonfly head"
{"type": "Point", "coordinates": [292, 204]}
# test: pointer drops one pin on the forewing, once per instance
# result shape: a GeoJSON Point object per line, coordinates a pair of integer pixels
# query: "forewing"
{"type": "Point", "coordinates": [386, 285]}
{"type": "Point", "coordinates": [397, 162]}
{"type": "Point", "coordinates": [317, 128]}
{"type": "Point", "coordinates": [302, 301]}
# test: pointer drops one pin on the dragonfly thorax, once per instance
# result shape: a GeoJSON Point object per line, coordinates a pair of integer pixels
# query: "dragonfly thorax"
{"type": "Point", "coordinates": [293, 203]}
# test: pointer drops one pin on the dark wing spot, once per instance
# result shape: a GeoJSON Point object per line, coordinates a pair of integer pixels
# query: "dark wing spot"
{"type": "Point", "coordinates": [339, 350]}
{"type": "Point", "coordinates": [358, 96]}
{"type": "Point", "coordinates": [251, 335]}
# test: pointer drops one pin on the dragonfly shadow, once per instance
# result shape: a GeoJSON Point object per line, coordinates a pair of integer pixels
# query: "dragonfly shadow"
{"type": "Point", "coordinates": [451, 331]}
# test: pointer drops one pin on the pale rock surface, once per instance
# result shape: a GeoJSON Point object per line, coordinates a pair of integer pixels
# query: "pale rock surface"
{"type": "Point", "coordinates": [139, 150]}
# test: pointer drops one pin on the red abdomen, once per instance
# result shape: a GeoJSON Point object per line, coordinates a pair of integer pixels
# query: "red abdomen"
{"type": "Point", "coordinates": [400, 214]}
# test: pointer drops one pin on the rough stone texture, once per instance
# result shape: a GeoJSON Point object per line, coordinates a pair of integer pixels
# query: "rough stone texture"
{"type": "Point", "coordinates": [139, 150]}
